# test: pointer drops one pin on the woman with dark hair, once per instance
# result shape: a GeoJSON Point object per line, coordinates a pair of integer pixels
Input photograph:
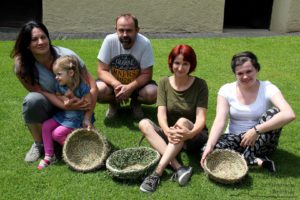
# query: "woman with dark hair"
{"type": "Point", "coordinates": [181, 112]}
{"type": "Point", "coordinates": [34, 56]}
{"type": "Point", "coordinates": [254, 124]}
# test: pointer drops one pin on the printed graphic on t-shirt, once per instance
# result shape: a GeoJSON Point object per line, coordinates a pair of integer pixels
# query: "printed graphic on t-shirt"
{"type": "Point", "coordinates": [125, 68]}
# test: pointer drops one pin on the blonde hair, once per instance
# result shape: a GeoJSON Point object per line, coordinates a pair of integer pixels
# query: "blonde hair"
{"type": "Point", "coordinates": [71, 62]}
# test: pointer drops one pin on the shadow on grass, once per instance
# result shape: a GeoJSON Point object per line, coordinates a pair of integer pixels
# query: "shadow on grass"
{"type": "Point", "coordinates": [125, 118]}
{"type": "Point", "coordinates": [286, 163]}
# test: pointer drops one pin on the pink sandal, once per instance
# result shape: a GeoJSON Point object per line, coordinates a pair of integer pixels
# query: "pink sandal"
{"type": "Point", "coordinates": [45, 163]}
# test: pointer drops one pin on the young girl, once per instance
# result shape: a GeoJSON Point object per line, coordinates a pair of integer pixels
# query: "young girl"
{"type": "Point", "coordinates": [71, 83]}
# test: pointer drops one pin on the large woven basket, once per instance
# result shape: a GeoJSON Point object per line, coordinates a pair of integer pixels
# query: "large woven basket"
{"type": "Point", "coordinates": [132, 163]}
{"type": "Point", "coordinates": [85, 150]}
{"type": "Point", "coordinates": [225, 166]}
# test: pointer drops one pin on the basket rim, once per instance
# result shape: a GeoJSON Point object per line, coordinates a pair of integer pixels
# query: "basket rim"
{"type": "Point", "coordinates": [222, 179]}
{"type": "Point", "coordinates": [93, 166]}
{"type": "Point", "coordinates": [122, 173]}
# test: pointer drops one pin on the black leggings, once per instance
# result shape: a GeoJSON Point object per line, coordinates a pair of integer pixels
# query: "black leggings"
{"type": "Point", "coordinates": [265, 145]}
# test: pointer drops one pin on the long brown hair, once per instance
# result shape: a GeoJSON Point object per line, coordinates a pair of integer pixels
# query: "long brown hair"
{"type": "Point", "coordinates": [24, 56]}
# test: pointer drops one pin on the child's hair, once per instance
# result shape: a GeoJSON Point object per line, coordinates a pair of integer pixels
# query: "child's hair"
{"type": "Point", "coordinates": [71, 62]}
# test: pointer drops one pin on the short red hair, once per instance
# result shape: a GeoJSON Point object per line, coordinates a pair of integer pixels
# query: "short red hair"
{"type": "Point", "coordinates": [188, 54]}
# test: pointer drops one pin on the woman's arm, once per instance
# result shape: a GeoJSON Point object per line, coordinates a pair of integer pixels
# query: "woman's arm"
{"type": "Point", "coordinates": [58, 102]}
{"type": "Point", "coordinates": [29, 87]}
{"type": "Point", "coordinates": [162, 118]}
{"type": "Point", "coordinates": [170, 132]}
{"type": "Point", "coordinates": [190, 130]}
{"type": "Point", "coordinates": [93, 91]}
{"type": "Point", "coordinates": [285, 115]}
{"type": "Point", "coordinates": [88, 114]}
{"type": "Point", "coordinates": [199, 123]}
{"type": "Point", "coordinates": [217, 127]}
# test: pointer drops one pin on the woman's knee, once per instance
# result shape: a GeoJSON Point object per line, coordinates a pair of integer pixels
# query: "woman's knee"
{"type": "Point", "coordinates": [36, 108]}
{"type": "Point", "coordinates": [183, 122]}
{"type": "Point", "coordinates": [144, 125]}
{"type": "Point", "coordinates": [268, 114]}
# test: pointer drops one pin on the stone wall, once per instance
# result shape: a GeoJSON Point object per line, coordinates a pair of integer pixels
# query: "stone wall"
{"type": "Point", "coordinates": [162, 16]}
{"type": "Point", "coordinates": [156, 16]}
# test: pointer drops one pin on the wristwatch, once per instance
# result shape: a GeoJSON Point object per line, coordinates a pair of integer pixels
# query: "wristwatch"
{"type": "Point", "coordinates": [256, 131]}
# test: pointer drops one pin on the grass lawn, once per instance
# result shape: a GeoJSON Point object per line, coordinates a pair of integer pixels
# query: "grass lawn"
{"type": "Point", "coordinates": [279, 58]}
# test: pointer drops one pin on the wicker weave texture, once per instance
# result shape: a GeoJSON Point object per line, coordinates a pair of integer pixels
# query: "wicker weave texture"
{"type": "Point", "coordinates": [85, 150]}
{"type": "Point", "coordinates": [132, 163]}
{"type": "Point", "coordinates": [225, 166]}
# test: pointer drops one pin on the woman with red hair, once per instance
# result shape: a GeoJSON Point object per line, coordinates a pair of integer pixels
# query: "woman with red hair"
{"type": "Point", "coordinates": [181, 112]}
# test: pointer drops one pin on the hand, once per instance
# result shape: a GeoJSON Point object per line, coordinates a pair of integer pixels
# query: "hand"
{"type": "Point", "coordinates": [183, 131]}
{"type": "Point", "coordinates": [78, 104]}
{"type": "Point", "coordinates": [87, 124]}
{"type": "Point", "coordinates": [249, 138]}
{"type": "Point", "coordinates": [173, 136]}
{"type": "Point", "coordinates": [206, 152]}
{"type": "Point", "coordinates": [122, 92]}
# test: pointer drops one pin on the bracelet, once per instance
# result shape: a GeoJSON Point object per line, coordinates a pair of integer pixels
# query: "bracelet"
{"type": "Point", "coordinates": [256, 131]}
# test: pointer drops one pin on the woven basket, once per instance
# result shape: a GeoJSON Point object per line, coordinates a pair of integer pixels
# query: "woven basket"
{"type": "Point", "coordinates": [85, 150]}
{"type": "Point", "coordinates": [132, 163]}
{"type": "Point", "coordinates": [225, 166]}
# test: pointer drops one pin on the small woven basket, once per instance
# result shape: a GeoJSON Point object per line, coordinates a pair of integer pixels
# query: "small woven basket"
{"type": "Point", "coordinates": [85, 150]}
{"type": "Point", "coordinates": [132, 163]}
{"type": "Point", "coordinates": [225, 166]}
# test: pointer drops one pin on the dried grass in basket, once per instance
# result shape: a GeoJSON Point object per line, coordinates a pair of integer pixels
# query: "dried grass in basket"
{"type": "Point", "coordinates": [225, 166]}
{"type": "Point", "coordinates": [85, 150]}
{"type": "Point", "coordinates": [132, 163]}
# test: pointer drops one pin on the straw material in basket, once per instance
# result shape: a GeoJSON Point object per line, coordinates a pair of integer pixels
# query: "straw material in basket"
{"type": "Point", "coordinates": [132, 163]}
{"type": "Point", "coordinates": [225, 166]}
{"type": "Point", "coordinates": [85, 150]}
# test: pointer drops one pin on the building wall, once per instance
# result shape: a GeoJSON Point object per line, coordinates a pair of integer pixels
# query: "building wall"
{"type": "Point", "coordinates": [285, 16]}
{"type": "Point", "coordinates": [162, 16]}
{"type": "Point", "coordinates": [156, 16]}
{"type": "Point", "coordinates": [293, 24]}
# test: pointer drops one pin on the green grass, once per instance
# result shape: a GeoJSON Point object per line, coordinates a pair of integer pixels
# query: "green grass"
{"type": "Point", "coordinates": [279, 58]}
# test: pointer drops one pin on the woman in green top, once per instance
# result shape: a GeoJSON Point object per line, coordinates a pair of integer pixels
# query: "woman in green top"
{"type": "Point", "coordinates": [182, 106]}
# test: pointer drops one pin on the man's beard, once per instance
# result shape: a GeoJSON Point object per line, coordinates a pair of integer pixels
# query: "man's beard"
{"type": "Point", "coordinates": [126, 42]}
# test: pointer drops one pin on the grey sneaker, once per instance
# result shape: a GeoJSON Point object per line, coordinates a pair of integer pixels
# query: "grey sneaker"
{"type": "Point", "coordinates": [182, 175]}
{"type": "Point", "coordinates": [150, 183]}
{"type": "Point", "coordinates": [111, 111]}
{"type": "Point", "coordinates": [34, 153]}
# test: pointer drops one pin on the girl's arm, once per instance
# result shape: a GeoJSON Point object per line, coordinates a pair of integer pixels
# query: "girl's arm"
{"type": "Point", "coordinates": [217, 127]}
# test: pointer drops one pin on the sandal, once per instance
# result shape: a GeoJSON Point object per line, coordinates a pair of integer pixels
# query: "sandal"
{"type": "Point", "coordinates": [45, 163]}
